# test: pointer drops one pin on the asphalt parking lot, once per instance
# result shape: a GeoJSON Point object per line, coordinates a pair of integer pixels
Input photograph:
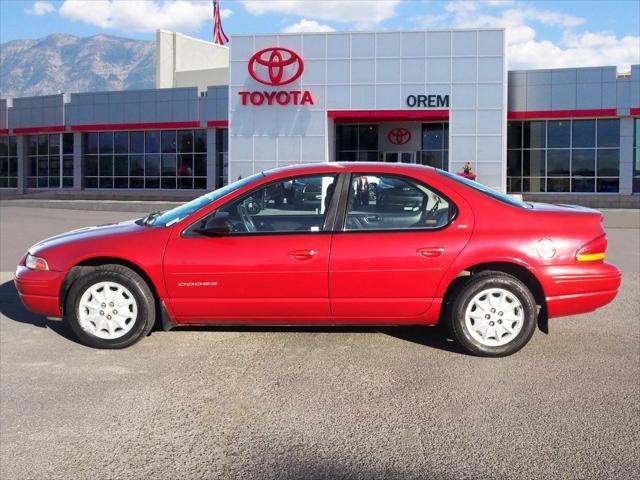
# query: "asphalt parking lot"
{"type": "Point", "coordinates": [315, 403]}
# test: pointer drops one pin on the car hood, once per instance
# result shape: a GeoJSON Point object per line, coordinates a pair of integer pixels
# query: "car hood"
{"type": "Point", "coordinates": [88, 233]}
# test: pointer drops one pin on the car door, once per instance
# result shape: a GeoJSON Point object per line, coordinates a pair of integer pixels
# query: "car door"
{"type": "Point", "coordinates": [392, 248]}
{"type": "Point", "coordinates": [271, 266]}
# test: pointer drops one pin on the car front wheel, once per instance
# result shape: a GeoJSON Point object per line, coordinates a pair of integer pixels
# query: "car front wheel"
{"type": "Point", "coordinates": [493, 315]}
{"type": "Point", "coordinates": [110, 307]}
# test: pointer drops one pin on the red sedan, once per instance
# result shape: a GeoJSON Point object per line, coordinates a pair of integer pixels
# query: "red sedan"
{"type": "Point", "coordinates": [361, 243]}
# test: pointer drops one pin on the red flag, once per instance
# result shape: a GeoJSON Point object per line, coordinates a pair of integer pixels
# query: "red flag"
{"type": "Point", "coordinates": [219, 36]}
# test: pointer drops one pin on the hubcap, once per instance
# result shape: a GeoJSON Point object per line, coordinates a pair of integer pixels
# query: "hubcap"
{"type": "Point", "coordinates": [494, 317]}
{"type": "Point", "coordinates": [107, 310]}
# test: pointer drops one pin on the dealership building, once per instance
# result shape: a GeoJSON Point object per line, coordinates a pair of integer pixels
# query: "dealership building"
{"type": "Point", "coordinates": [436, 97]}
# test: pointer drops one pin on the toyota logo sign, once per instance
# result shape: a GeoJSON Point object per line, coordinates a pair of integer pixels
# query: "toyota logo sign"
{"type": "Point", "coordinates": [276, 66]}
{"type": "Point", "coordinates": [399, 136]}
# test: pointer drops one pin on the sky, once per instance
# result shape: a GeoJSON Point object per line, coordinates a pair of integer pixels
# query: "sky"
{"type": "Point", "coordinates": [540, 34]}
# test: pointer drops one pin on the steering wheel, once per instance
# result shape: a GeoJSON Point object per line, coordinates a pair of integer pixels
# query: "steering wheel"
{"type": "Point", "coordinates": [246, 219]}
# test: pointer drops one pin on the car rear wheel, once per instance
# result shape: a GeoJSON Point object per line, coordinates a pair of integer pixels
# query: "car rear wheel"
{"type": "Point", "coordinates": [493, 315]}
{"type": "Point", "coordinates": [110, 307]}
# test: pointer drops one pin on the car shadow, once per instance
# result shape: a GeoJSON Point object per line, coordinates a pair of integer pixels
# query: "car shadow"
{"type": "Point", "coordinates": [12, 308]}
{"type": "Point", "coordinates": [433, 337]}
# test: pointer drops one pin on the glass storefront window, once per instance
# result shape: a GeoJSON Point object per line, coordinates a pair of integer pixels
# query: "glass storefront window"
{"type": "Point", "coordinates": [169, 141]}
{"type": "Point", "coordinates": [608, 133]}
{"type": "Point", "coordinates": [514, 163]}
{"type": "Point", "coordinates": [534, 134]}
{"type": "Point", "coordinates": [608, 162]}
{"type": "Point", "coordinates": [357, 143]}
{"type": "Point", "coordinates": [583, 185]}
{"type": "Point", "coordinates": [347, 137]}
{"type": "Point", "coordinates": [583, 133]}
{"type": "Point", "coordinates": [584, 162]}
{"type": "Point", "coordinates": [558, 162]}
{"type": "Point", "coordinates": [50, 160]}
{"type": "Point", "coordinates": [432, 136]}
{"type": "Point", "coordinates": [368, 137]}
{"type": "Point", "coordinates": [222, 157]}
{"type": "Point", "coordinates": [154, 159]}
{"type": "Point", "coordinates": [514, 134]}
{"type": "Point", "coordinates": [8, 162]}
{"type": "Point", "coordinates": [564, 155]}
{"type": "Point", "coordinates": [559, 134]}
{"type": "Point", "coordinates": [435, 145]}
{"type": "Point", "coordinates": [534, 163]}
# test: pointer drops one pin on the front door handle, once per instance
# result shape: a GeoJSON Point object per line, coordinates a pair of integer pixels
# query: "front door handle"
{"type": "Point", "coordinates": [303, 254]}
{"type": "Point", "coordinates": [430, 252]}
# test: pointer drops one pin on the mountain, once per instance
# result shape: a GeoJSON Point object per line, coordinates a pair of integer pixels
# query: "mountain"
{"type": "Point", "coordinates": [66, 63]}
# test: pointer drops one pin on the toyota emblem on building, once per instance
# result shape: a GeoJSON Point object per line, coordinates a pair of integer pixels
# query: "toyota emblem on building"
{"type": "Point", "coordinates": [276, 66]}
{"type": "Point", "coordinates": [399, 136]}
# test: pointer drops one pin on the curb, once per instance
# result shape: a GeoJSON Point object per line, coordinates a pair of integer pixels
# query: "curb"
{"type": "Point", "coordinates": [621, 217]}
{"type": "Point", "coordinates": [93, 205]}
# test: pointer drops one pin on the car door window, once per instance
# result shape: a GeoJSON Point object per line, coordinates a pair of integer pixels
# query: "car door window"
{"type": "Point", "coordinates": [389, 202]}
{"type": "Point", "coordinates": [297, 204]}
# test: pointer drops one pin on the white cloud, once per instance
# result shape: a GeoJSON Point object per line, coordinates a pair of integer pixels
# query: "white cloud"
{"type": "Point", "coordinates": [574, 49]}
{"type": "Point", "coordinates": [430, 20]}
{"type": "Point", "coordinates": [142, 15]}
{"type": "Point", "coordinates": [362, 13]}
{"type": "Point", "coordinates": [304, 26]}
{"type": "Point", "coordinates": [586, 49]}
{"type": "Point", "coordinates": [471, 13]}
{"type": "Point", "coordinates": [499, 3]}
{"type": "Point", "coordinates": [40, 8]}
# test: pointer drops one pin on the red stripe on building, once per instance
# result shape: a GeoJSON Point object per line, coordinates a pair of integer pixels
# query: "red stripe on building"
{"type": "Point", "coordinates": [134, 126]}
{"type": "Point", "coordinates": [56, 129]}
{"type": "Point", "coordinates": [4, 131]}
{"type": "Point", "coordinates": [344, 116]}
{"type": "Point", "coordinates": [218, 123]}
{"type": "Point", "coordinates": [541, 114]}
{"type": "Point", "coordinates": [635, 112]}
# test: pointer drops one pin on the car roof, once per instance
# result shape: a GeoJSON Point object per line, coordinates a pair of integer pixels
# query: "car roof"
{"type": "Point", "coordinates": [329, 167]}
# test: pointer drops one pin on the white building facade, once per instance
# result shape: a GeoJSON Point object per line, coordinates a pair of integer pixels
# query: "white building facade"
{"type": "Point", "coordinates": [444, 90]}
{"type": "Point", "coordinates": [432, 97]}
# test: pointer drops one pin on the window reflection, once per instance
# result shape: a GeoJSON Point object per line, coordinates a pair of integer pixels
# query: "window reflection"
{"type": "Point", "coordinates": [563, 155]}
{"type": "Point", "coordinates": [145, 159]}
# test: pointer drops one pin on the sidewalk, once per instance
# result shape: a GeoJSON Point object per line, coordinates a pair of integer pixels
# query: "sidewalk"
{"type": "Point", "coordinates": [143, 206]}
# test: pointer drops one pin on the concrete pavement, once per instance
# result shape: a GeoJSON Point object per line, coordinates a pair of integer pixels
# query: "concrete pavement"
{"type": "Point", "coordinates": [315, 403]}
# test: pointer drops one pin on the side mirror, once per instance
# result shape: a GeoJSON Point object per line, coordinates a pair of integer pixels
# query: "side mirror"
{"type": "Point", "coordinates": [217, 226]}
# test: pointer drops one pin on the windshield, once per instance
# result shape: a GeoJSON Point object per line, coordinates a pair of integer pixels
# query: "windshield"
{"type": "Point", "coordinates": [501, 197]}
{"type": "Point", "coordinates": [173, 216]}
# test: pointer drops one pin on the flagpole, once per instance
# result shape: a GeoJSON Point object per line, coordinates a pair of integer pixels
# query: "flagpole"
{"type": "Point", "coordinates": [219, 37]}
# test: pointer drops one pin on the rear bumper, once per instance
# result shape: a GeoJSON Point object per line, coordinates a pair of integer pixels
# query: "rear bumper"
{"type": "Point", "coordinates": [575, 289]}
{"type": "Point", "coordinates": [39, 291]}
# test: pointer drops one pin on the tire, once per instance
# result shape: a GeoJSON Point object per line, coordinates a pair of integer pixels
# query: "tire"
{"type": "Point", "coordinates": [493, 315]}
{"type": "Point", "coordinates": [95, 319]}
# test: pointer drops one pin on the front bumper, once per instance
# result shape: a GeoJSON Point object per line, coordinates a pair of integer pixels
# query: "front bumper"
{"type": "Point", "coordinates": [579, 288]}
{"type": "Point", "coordinates": [39, 290]}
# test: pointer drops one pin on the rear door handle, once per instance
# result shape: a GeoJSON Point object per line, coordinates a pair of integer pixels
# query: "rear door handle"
{"type": "Point", "coordinates": [430, 252]}
{"type": "Point", "coordinates": [302, 254]}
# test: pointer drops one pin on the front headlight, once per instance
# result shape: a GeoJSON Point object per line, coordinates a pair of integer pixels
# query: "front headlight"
{"type": "Point", "coordinates": [36, 263]}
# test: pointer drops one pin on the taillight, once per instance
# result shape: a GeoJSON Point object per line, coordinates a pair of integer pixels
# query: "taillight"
{"type": "Point", "coordinates": [594, 251]}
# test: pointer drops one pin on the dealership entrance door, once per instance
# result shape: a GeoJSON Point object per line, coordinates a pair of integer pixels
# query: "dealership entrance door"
{"type": "Point", "coordinates": [399, 157]}
{"type": "Point", "coordinates": [423, 143]}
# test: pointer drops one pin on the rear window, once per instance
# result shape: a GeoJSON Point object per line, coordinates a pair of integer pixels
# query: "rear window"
{"type": "Point", "coordinates": [496, 195]}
